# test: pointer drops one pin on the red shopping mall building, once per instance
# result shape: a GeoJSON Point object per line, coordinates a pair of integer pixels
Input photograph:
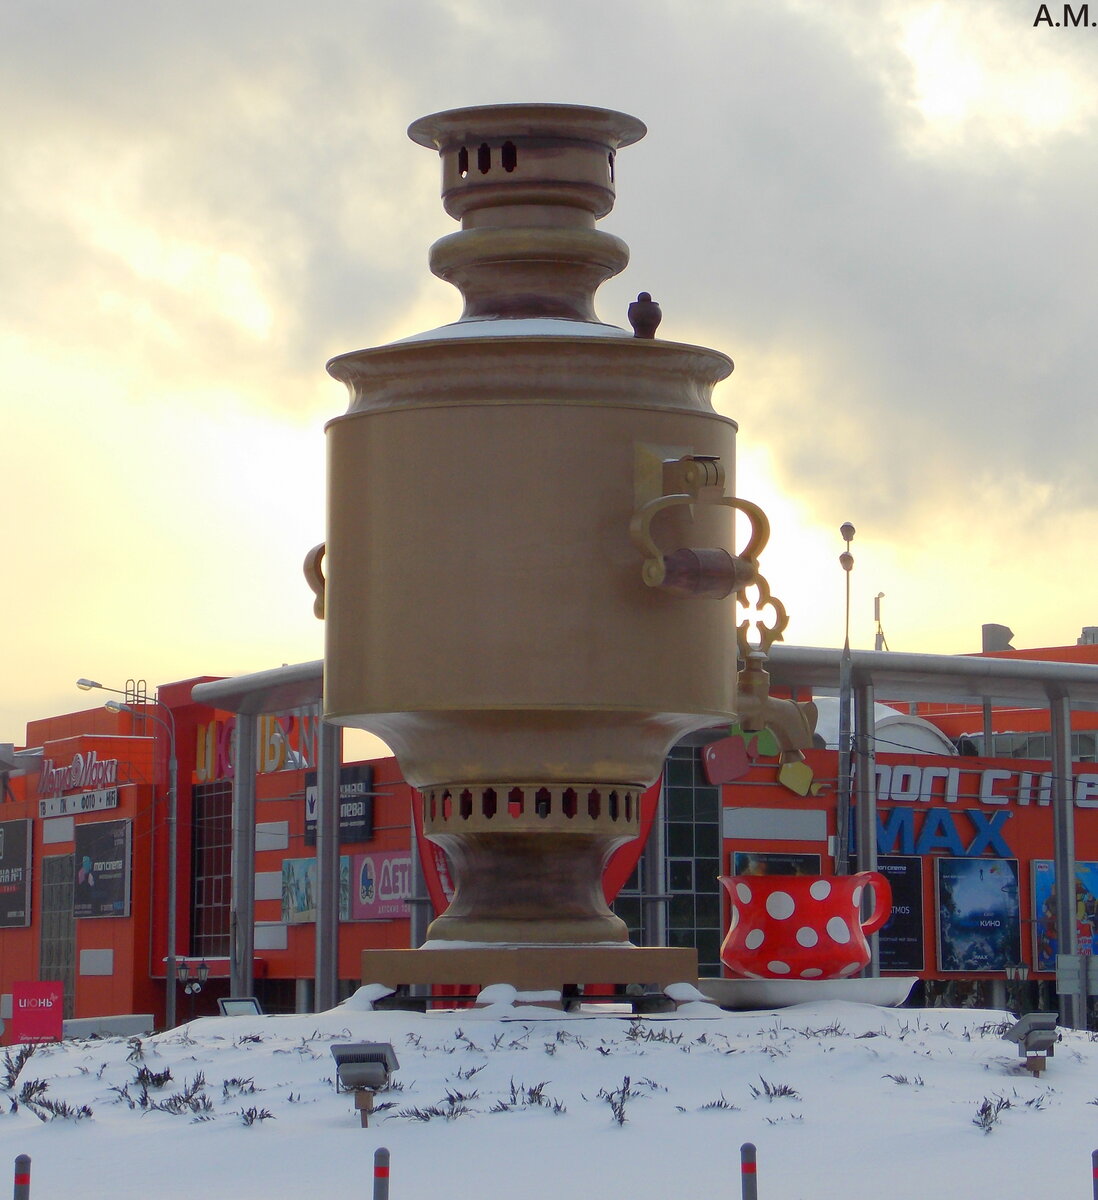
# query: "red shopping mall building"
{"type": "Point", "coordinates": [964, 795]}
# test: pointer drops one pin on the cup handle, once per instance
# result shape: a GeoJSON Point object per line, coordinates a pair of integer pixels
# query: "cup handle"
{"type": "Point", "coordinates": [882, 899]}
{"type": "Point", "coordinates": [314, 576]}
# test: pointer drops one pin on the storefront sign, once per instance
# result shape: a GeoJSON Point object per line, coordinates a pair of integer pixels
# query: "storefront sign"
{"type": "Point", "coordinates": [15, 874]}
{"type": "Point", "coordinates": [356, 805]}
{"type": "Point", "coordinates": [85, 771]}
{"type": "Point", "coordinates": [102, 884]}
{"type": "Point", "coordinates": [36, 1011]}
{"type": "Point", "coordinates": [978, 914]}
{"type": "Point", "coordinates": [286, 742]}
{"type": "Point", "coordinates": [67, 806]}
{"type": "Point", "coordinates": [967, 833]}
{"type": "Point", "coordinates": [380, 886]}
{"type": "Point", "coordinates": [900, 941]}
{"type": "Point", "coordinates": [911, 783]}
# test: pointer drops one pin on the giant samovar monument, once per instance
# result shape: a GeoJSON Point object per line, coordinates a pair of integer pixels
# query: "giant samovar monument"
{"type": "Point", "coordinates": [531, 572]}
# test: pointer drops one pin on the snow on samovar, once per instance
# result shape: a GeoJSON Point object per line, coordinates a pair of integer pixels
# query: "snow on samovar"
{"type": "Point", "coordinates": [530, 577]}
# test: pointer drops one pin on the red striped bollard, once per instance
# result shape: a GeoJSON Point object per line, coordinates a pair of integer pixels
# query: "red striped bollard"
{"type": "Point", "coordinates": [748, 1178]}
{"type": "Point", "coordinates": [22, 1178]}
{"type": "Point", "coordinates": [1094, 1171]}
{"type": "Point", "coordinates": [381, 1174]}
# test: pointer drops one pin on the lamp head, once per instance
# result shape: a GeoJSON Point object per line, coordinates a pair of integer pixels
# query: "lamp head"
{"type": "Point", "coordinates": [86, 685]}
{"type": "Point", "coordinates": [847, 530]}
{"type": "Point", "coordinates": [116, 706]}
{"type": "Point", "coordinates": [203, 971]}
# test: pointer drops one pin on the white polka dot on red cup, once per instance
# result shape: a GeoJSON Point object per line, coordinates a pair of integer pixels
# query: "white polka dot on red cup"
{"type": "Point", "coordinates": [838, 930]}
{"type": "Point", "coordinates": [850, 969]}
{"type": "Point", "coordinates": [778, 968]}
{"type": "Point", "coordinates": [820, 889]}
{"type": "Point", "coordinates": [754, 939]}
{"type": "Point", "coordinates": [807, 936]}
{"type": "Point", "coordinates": [744, 892]}
{"type": "Point", "coordinates": [857, 897]}
{"type": "Point", "coordinates": [811, 973]}
{"type": "Point", "coordinates": [780, 905]}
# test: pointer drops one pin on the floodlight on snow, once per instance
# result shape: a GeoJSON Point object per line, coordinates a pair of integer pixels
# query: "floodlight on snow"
{"type": "Point", "coordinates": [1036, 1036]}
{"type": "Point", "coordinates": [364, 1068]}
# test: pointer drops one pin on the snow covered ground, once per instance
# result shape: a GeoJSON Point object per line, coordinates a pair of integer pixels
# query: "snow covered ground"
{"type": "Point", "coordinates": [842, 1100]}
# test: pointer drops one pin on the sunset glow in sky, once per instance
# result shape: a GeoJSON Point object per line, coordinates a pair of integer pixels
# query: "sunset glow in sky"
{"type": "Point", "coordinates": [883, 211]}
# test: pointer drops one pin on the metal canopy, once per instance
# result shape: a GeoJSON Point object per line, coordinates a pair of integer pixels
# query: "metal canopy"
{"type": "Point", "coordinates": [963, 678]}
{"type": "Point", "coordinates": [1057, 686]}
{"type": "Point", "coordinates": [251, 696]}
{"type": "Point", "coordinates": [271, 691]}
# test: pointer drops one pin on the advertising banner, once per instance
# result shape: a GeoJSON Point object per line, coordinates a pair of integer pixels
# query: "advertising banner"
{"type": "Point", "coordinates": [36, 1011]}
{"type": "Point", "coordinates": [299, 890]}
{"type": "Point", "coordinates": [102, 885]}
{"type": "Point", "coordinates": [979, 914]}
{"type": "Point", "coordinates": [746, 862]}
{"type": "Point", "coordinates": [356, 805]}
{"type": "Point", "coordinates": [901, 938]}
{"type": "Point", "coordinates": [381, 886]}
{"type": "Point", "coordinates": [1045, 940]}
{"type": "Point", "coordinates": [15, 874]}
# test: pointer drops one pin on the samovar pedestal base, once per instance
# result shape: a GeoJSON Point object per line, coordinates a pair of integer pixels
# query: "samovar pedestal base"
{"type": "Point", "coordinates": [532, 968]}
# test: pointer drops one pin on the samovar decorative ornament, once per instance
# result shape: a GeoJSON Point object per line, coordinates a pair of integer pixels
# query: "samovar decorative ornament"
{"type": "Point", "coordinates": [530, 578]}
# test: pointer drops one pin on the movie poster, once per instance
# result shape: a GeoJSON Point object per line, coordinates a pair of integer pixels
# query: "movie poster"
{"type": "Point", "coordinates": [102, 884]}
{"type": "Point", "coordinates": [979, 914]}
{"type": "Point", "coordinates": [900, 941]}
{"type": "Point", "coordinates": [1045, 941]}
{"type": "Point", "coordinates": [15, 874]}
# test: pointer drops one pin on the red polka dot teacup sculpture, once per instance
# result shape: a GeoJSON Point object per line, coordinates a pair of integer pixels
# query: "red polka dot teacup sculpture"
{"type": "Point", "coordinates": [801, 926]}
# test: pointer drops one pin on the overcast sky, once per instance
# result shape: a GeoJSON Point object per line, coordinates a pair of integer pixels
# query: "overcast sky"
{"type": "Point", "coordinates": [883, 211]}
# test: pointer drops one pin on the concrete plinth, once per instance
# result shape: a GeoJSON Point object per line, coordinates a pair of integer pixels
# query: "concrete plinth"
{"type": "Point", "coordinates": [533, 968]}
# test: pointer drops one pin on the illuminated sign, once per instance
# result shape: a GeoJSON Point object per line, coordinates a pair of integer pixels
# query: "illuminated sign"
{"type": "Point", "coordinates": [85, 771]}
{"type": "Point", "coordinates": [913, 784]}
{"type": "Point", "coordinates": [964, 833]}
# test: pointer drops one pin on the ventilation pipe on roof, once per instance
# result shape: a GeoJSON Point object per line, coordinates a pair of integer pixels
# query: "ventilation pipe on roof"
{"type": "Point", "coordinates": [996, 637]}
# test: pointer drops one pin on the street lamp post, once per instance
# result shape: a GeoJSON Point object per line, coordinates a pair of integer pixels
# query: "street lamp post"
{"type": "Point", "coordinates": [842, 824]}
{"type": "Point", "coordinates": [192, 985]}
{"type": "Point", "coordinates": [136, 692]}
{"type": "Point", "coordinates": [1017, 975]}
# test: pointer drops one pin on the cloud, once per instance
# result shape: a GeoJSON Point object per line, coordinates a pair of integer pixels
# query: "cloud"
{"type": "Point", "coordinates": [881, 211]}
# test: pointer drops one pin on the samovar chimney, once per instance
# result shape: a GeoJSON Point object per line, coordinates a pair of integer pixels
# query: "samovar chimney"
{"type": "Point", "coordinates": [530, 580]}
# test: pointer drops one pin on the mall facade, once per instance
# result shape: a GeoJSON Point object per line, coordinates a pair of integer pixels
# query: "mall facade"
{"type": "Point", "coordinates": [964, 833]}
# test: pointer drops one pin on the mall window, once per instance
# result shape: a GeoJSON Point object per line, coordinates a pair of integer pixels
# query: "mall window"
{"type": "Point", "coordinates": [211, 875]}
{"type": "Point", "coordinates": [690, 811]}
{"type": "Point", "coordinates": [57, 941]}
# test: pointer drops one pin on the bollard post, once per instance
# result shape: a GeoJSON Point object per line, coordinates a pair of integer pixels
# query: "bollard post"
{"type": "Point", "coordinates": [1094, 1171]}
{"type": "Point", "coordinates": [381, 1174]}
{"type": "Point", "coordinates": [748, 1179]}
{"type": "Point", "coordinates": [22, 1177]}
